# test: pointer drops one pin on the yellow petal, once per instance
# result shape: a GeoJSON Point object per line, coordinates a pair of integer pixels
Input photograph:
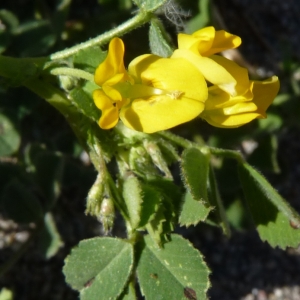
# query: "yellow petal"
{"type": "Point", "coordinates": [264, 93]}
{"type": "Point", "coordinates": [112, 93]}
{"type": "Point", "coordinates": [240, 74]}
{"type": "Point", "coordinates": [187, 92]}
{"type": "Point", "coordinates": [176, 75]}
{"type": "Point", "coordinates": [140, 64]}
{"type": "Point", "coordinates": [232, 121]}
{"type": "Point", "coordinates": [113, 63]}
{"type": "Point", "coordinates": [159, 113]}
{"type": "Point", "coordinates": [222, 41]}
{"type": "Point", "coordinates": [110, 115]}
{"type": "Point", "coordinates": [211, 70]}
{"type": "Point", "coordinates": [240, 108]}
{"type": "Point", "coordinates": [199, 42]}
{"type": "Point", "coordinates": [217, 98]}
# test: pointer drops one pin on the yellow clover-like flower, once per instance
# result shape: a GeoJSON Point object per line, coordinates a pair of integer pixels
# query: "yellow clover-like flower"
{"type": "Point", "coordinates": [199, 49]}
{"type": "Point", "coordinates": [155, 94]}
{"type": "Point", "coordinates": [225, 111]}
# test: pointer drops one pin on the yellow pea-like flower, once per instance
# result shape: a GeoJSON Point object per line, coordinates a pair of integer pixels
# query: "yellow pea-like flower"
{"type": "Point", "coordinates": [199, 49]}
{"type": "Point", "coordinates": [223, 110]}
{"type": "Point", "coordinates": [109, 74]}
{"type": "Point", "coordinates": [160, 93]}
{"type": "Point", "coordinates": [183, 93]}
{"type": "Point", "coordinates": [155, 94]}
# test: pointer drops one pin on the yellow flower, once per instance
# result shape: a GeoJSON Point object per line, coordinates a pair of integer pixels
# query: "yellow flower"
{"type": "Point", "coordinates": [218, 70]}
{"type": "Point", "coordinates": [155, 94]}
{"type": "Point", "coordinates": [223, 110]}
{"type": "Point", "coordinates": [208, 41]}
{"type": "Point", "coordinates": [184, 93]}
{"type": "Point", "coordinates": [108, 75]}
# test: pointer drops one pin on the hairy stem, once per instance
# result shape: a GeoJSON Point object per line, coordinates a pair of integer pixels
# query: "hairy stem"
{"type": "Point", "coordinates": [72, 72]}
{"type": "Point", "coordinates": [175, 139]}
{"type": "Point", "coordinates": [141, 18]}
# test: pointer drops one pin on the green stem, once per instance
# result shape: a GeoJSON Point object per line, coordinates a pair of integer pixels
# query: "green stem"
{"type": "Point", "coordinates": [141, 18]}
{"type": "Point", "coordinates": [175, 139]}
{"type": "Point", "coordinates": [72, 72]}
{"type": "Point", "coordinates": [227, 153]}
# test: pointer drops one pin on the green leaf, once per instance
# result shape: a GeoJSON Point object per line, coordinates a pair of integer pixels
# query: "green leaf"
{"type": "Point", "coordinates": [151, 202]}
{"type": "Point", "coordinates": [20, 70]}
{"type": "Point", "coordinates": [193, 211]}
{"type": "Point", "coordinates": [9, 137]}
{"type": "Point", "coordinates": [20, 204]}
{"type": "Point", "coordinates": [50, 241]}
{"type": "Point", "coordinates": [169, 190]}
{"type": "Point", "coordinates": [84, 102]}
{"type": "Point", "coordinates": [173, 272]}
{"type": "Point", "coordinates": [89, 59]}
{"type": "Point", "coordinates": [159, 40]}
{"type": "Point", "coordinates": [99, 266]}
{"type": "Point", "coordinates": [195, 167]}
{"type": "Point", "coordinates": [149, 5]}
{"type": "Point", "coordinates": [169, 152]}
{"type": "Point", "coordinates": [155, 227]}
{"type": "Point", "coordinates": [275, 219]}
{"type": "Point", "coordinates": [132, 194]}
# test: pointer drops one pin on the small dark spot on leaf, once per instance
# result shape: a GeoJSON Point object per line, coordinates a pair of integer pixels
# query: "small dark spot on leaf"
{"type": "Point", "coordinates": [154, 275]}
{"type": "Point", "coordinates": [89, 283]}
{"type": "Point", "coordinates": [294, 225]}
{"type": "Point", "coordinates": [190, 293]}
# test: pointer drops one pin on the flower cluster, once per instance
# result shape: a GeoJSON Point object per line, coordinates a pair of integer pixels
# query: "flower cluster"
{"type": "Point", "coordinates": [158, 93]}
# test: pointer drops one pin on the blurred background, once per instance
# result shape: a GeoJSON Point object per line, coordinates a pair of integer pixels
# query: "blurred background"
{"type": "Point", "coordinates": [41, 160]}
